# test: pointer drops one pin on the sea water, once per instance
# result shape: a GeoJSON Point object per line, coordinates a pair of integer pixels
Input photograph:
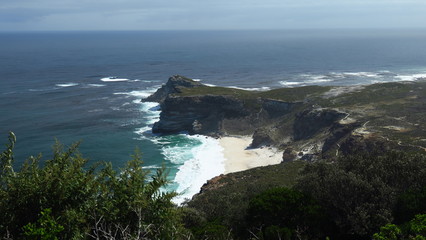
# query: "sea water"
{"type": "Point", "coordinates": [87, 86]}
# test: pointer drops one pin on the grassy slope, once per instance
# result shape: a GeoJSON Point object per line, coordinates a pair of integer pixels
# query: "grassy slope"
{"type": "Point", "coordinates": [283, 94]}
{"type": "Point", "coordinates": [228, 195]}
{"type": "Point", "coordinates": [394, 110]}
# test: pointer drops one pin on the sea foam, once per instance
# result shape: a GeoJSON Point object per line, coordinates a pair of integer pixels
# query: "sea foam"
{"type": "Point", "coordinates": [200, 163]}
{"type": "Point", "coordinates": [96, 85]}
{"type": "Point", "coordinates": [412, 77]}
{"type": "Point", "coordinates": [195, 159]}
{"type": "Point", "coordinates": [290, 84]}
{"type": "Point", "coordinates": [71, 84]}
{"type": "Point", "coordinates": [114, 79]}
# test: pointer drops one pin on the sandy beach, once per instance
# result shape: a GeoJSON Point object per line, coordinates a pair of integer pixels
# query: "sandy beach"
{"type": "Point", "coordinates": [239, 158]}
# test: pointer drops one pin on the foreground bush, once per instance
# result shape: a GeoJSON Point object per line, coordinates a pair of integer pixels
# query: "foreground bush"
{"type": "Point", "coordinates": [282, 213]}
{"type": "Point", "coordinates": [363, 192]}
{"type": "Point", "coordinates": [66, 199]}
{"type": "Point", "coordinates": [414, 229]}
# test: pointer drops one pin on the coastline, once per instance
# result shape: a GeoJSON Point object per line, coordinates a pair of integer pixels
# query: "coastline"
{"type": "Point", "coordinates": [239, 158]}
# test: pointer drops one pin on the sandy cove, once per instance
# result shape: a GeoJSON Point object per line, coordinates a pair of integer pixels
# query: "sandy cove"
{"type": "Point", "coordinates": [239, 158]}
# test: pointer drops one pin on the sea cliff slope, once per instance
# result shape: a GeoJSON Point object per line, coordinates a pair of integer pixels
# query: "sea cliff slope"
{"type": "Point", "coordinates": [306, 123]}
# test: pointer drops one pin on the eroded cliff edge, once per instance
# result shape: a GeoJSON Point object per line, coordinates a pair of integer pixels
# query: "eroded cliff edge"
{"type": "Point", "coordinates": [306, 122]}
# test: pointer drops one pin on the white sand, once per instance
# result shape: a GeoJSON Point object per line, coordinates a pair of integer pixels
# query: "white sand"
{"type": "Point", "coordinates": [239, 158]}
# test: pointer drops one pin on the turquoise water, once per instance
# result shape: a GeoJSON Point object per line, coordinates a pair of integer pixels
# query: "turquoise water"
{"type": "Point", "coordinates": [58, 85]}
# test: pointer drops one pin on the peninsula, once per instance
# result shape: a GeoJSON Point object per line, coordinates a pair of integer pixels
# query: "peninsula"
{"type": "Point", "coordinates": [356, 149]}
{"type": "Point", "coordinates": [304, 123]}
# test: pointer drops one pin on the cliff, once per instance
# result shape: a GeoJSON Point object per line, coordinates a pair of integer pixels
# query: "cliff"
{"type": "Point", "coordinates": [306, 123]}
{"type": "Point", "coordinates": [173, 85]}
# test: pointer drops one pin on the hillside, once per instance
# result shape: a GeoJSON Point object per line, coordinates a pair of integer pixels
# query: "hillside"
{"type": "Point", "coordinates": [309, 123]}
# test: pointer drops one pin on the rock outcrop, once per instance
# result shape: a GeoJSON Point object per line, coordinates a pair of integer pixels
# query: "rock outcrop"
{"type": "Point", "coordinates": [173, 85]}
{"type": "Point", "coordinates": [366, 118]}
{"type": "Point", "coordinates": [310, 121]}
{"type": "Point", "coordinates": [198, 114]}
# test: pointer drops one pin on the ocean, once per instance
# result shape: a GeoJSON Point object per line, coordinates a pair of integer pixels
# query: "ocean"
{"type": "Point", "coordinates": [87, 86]}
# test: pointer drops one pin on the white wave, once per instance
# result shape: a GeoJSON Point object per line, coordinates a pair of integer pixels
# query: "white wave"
{"type": "Point", "coordinates": [210, 85]}
{"type": "Point", "coordinates": [143, 130]}
{"type": "Point", "coordinates": [200, 164]}
{"type": "Point", "coordinates": [196, 79]}
{"type": "Point", "coordinates": [288, 83]}
{"type": "Point", "coordinates": [319, 81]}
{"type": "Point", "coordinates": [96, 110]}
{"type": "Point", "coordinates": [96, 85]}
{"type": "Point", "coordinates": [142, 94]}
{"type": "Point", "coordinates": [152, 167]}
{"type": "Point", "coordinates": [151, 114]}
{"type": "Point", "coordinates": [42, 89]}
{"type": "Point", "coordinates": [412, 77]}
{"type": "Point", "coordinates": [114, 79]}
{"type": "Point", "coordinates": [336, 75]}
{"type": "Point", "coordinates": [150, 107]}
{"type": "Point", "coordinates": [252, 89]}
{"type": "Point", "coordinates": [139, 94]}
{"type": "Point", "coordinates": [71, 84]}
{"type": "Point", "coordinates": [361, 74]}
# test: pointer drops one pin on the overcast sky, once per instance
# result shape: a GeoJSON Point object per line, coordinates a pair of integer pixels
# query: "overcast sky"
{"type": "Point", "coordinates": [209, 14]}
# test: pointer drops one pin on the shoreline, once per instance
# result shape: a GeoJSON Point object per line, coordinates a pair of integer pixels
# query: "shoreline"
{"type": "Point", "coordinates": [239, 158]}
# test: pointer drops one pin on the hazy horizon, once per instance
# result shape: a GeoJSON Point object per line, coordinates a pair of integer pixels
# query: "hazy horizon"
{"type": "Point", "coordinates": [142, 15]}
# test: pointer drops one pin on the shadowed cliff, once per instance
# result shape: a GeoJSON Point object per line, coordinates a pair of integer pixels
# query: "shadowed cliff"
{"type": "Point", "coordinates": [307, 123]}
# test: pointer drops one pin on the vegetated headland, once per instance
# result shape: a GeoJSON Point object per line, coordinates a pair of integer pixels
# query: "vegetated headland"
{"type": "Point", "coordinates": [352, 165]}
{"type": "Point", "coordinates": [305, 123]}
{"type": "Point", "coordinates": [350, 133]}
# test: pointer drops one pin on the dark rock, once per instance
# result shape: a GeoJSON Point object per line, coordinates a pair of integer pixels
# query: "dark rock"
{"type": "Point", "coordinates": [261, 138]}
{"type": "Point", "coordinates": [197, 126]}
{"type": "Point", "coordinates": [173, 85]}
{"type": "Point", "coordinates": [197, 114]}
{"type": "Point", "coordinates": [276, 108]}
{"type": "Point", "coordinates": [309, 157]}
{"type": "Point", "coordinates": [289, 155]}
{"type": "Point", "coordinates": [356, 144]}
{"type": "Point", "coordinates": [311, 121]}
{"type": "Point", "coordinates": [338, 132]}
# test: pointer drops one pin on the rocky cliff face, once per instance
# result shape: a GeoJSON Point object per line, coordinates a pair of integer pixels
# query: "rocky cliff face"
{"type": "Point", "coordinates": [293, 120]}
{"type": "Point", "coordinates": [173, 85]}
{"type": "Point", "coordinates": [198, 114]}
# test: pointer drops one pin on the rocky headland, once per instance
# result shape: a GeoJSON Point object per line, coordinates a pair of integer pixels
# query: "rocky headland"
{"type": "Point", "coordinates": [307, 123]}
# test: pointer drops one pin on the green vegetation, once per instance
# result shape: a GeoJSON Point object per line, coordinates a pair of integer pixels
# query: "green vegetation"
{"type": "Point", "coordinates": [283, 94]}
{"type": "Point", "coordinates": [282, 213]}
{"type": "Point", "coordinates": [45, 228]}
{"type": "Point", "coordinates": [227, 205]}
{"type": "Point", "coordinates": [412, 230]}
{"type": "Point", "coordinates": [362, 196]}
{"type": "Point", "coordinates": [360, 192]}
{"type": "Point", "coordinates": [66, 199]}
{"type": "Point", "coordinates": [353, 196]}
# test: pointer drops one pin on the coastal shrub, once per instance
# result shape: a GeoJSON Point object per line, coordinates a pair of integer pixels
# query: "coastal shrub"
{"type": "Point", "coordinates": [414, 229]}
{"type": "Point", "coordinates": [67, 199]}
{"type": "Point", "coordinates": [228, 203]}
{"type": "Point", "coordinates": [282, 213]}
{"type": "Point", "coordinates": [46, 227]}
{"type": "Point", "coordinates": [360, 192]}
{"type": "Point", "coordinates": [409, 204]}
